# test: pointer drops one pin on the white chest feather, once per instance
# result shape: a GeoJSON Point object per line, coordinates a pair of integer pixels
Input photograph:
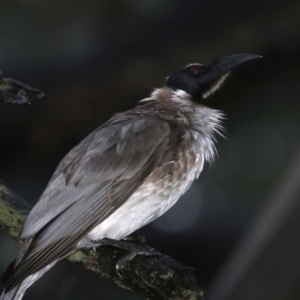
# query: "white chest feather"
{"type": "Point", "coordinates": [149, 202]}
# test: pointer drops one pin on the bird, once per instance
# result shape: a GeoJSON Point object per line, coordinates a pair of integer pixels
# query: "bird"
{"type": "Point", "coordinates": [126, 173]}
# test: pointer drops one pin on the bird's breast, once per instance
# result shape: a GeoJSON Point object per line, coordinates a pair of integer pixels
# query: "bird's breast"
{"type": "Point", "coordinates": [155, 196]}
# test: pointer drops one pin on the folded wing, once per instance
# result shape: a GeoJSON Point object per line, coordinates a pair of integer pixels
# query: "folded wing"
{"type": "Point", "coordinates": [91, 182]}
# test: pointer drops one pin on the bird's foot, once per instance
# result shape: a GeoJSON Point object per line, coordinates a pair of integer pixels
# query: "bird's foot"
{"type": "Point", "coordinates": [132, 249]}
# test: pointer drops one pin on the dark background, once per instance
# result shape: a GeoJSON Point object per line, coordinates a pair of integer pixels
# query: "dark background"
{"type": "Point", "coordinates": [95, 58]}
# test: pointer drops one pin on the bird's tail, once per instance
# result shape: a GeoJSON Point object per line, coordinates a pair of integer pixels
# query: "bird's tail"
{"type": "Point", "coordinates": [18, 291]}
{"type": "Point", "coordinates": [13, 294]}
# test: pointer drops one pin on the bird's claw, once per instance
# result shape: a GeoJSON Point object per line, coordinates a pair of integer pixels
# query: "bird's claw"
{"type": "Point", "coordinates": [136, 250]}
{"type": "Point", "coordinates": [132, 249]}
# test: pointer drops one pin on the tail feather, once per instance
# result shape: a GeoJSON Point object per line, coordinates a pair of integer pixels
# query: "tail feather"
{"type": "Point", "coordinates": [17, 292]}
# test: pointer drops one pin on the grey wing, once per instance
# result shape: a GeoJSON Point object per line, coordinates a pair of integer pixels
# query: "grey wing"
{"type": "Point", "coordinates": [89, 188]}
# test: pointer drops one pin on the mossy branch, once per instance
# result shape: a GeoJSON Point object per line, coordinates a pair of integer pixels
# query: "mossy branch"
{"type": "Point", "coordinates": [155, 277]}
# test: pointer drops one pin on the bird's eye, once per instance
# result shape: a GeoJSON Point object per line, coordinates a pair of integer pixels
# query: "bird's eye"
{"type": "Point", "coordinates": [195, 71]}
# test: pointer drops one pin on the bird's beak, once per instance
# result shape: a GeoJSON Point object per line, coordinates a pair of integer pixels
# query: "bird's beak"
{"type": "Point", "coordinates": [222, 65]}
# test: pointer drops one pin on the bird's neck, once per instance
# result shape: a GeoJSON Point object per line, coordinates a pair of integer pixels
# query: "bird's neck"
{"type": "Point", "coordinates": [201, 123]}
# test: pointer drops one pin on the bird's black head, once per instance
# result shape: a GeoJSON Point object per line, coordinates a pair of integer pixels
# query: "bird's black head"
{"type": "Point", "coordinates": [201, 81]}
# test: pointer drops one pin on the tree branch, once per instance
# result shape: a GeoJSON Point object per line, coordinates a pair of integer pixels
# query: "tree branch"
{"type": "Point", "coordinates": [16, 92]}
{"type": "Point", "coordinates": [155, 277]}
